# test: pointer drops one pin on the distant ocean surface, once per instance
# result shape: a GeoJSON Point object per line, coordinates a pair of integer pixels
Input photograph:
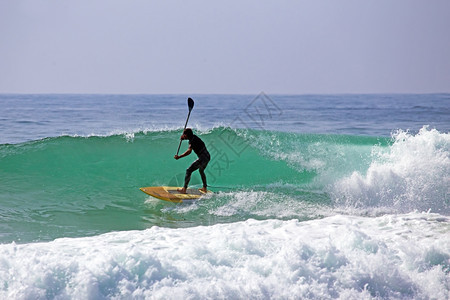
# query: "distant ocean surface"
{"type": "Point", "coordinates": [316, 197]}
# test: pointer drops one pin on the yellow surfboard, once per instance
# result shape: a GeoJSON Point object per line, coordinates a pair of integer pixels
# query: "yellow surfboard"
{"type": "Point", "coordinates": [170, 193]}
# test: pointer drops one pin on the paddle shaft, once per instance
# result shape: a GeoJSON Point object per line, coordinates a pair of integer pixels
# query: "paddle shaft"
{"type": "Point", "coordinates": [191, 106]}
{"type": "Point", "coordinates": [185, 125]}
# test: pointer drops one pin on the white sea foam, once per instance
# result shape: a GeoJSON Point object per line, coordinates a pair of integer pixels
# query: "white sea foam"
{"type": "Point", "coordinates": [340, 257]}
{"type": "Point", "coordinates": [264, 204]}
{"type": "Point", "coordinates": [251, 204]}
{"type": "Point", "coordinates": [413, 174]}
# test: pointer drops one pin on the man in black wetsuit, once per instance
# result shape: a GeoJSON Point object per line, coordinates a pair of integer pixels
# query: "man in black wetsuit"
{"type": "Point", "coordinates": [196, 144]}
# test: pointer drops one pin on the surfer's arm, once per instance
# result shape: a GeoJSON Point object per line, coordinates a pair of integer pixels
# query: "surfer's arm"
{"type": "Point", "coordinates": [188, 151]}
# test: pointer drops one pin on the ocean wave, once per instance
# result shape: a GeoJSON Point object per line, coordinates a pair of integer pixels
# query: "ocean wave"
{"type": "Point", "coordinates": [76, 186]}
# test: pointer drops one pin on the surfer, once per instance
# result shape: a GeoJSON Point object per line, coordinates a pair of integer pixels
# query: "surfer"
{"type": "Point", "coordinates": [199, 147]}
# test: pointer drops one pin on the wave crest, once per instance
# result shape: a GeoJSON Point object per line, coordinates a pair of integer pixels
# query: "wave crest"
{"type": "Point", "coordinates": [411, 174]}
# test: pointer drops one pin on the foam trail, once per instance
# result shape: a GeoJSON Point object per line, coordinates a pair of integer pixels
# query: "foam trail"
{"type": "Point", "coordinates": [396, 257]}
{"type": "Point", "coordinates": [413, 174]}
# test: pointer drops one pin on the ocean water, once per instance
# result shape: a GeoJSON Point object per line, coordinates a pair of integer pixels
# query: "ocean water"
{"type": "Point", "coordinates": [315, 197]}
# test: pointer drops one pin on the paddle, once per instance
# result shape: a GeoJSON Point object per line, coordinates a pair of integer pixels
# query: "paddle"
{"type": "Point", "coordinates": [191, 106]}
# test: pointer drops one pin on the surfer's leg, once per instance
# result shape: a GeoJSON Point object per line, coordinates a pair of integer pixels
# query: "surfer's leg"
{"type": "Point", "coordinates": [202, 174]}
{"type": "Point", "coordinates": [195, 165]}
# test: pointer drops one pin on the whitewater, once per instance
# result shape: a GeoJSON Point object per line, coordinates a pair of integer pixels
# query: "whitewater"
{"type": "Point", "coordinates": [315, 197]}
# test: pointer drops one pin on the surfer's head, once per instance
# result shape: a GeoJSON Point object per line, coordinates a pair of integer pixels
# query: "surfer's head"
{"type": "Point", "coordinates": [188, 133]}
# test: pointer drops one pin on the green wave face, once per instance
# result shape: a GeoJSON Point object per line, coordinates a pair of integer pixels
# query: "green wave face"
{"type": "Point", "coordinates": [76, 186]}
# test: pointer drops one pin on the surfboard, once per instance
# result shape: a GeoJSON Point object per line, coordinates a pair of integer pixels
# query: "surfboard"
{"type": "Point", "coordinates": [170, 193]}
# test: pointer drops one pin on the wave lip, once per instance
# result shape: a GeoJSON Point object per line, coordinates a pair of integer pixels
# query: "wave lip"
{"type": "Point", "coordinates": [412, 174]}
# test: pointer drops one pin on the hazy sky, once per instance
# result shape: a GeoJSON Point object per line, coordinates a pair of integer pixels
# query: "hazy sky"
{"type": "Point", "coordinates": [189, 46]}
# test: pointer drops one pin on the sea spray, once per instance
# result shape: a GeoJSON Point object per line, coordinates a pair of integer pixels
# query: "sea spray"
{"type": "Point", "coordinates": [412, 174]}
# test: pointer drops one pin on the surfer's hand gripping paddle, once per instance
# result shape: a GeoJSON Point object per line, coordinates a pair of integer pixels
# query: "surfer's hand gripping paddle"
{"type": "Point", "coordinates": [191, 106]}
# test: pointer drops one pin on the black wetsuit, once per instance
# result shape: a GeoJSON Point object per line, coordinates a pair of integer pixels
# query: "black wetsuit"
{"type": "Point", "coordinates": [198, 146]}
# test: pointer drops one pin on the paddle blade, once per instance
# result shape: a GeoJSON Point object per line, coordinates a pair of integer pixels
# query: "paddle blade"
{"type": "Point", "coordinates": [190, 104]}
